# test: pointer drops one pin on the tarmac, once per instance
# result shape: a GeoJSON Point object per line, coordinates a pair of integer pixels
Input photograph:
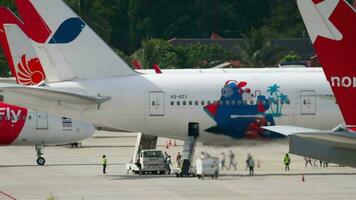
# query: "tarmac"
{"type": "Point", "coordinates": [75, 173]}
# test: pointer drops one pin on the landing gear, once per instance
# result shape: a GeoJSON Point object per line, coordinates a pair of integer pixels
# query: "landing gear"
{"type": "Point", "coordinates": [40, 160]}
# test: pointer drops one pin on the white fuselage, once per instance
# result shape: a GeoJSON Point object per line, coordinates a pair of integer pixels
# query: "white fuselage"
{"type": "Point", "coordinates": [148, 103]}
{"type": "Point", "coordinates": [43, 129]}
{"type": "Point", "coordinates": [20, 126]}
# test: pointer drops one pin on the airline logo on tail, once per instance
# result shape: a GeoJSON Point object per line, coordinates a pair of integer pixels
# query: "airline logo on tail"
{"type": "Point", "coordinates": [30, 72]}
{"type": "Point", "coordinates": [332, 28]}
{"type": "Point", "coordinates": [345, 81]}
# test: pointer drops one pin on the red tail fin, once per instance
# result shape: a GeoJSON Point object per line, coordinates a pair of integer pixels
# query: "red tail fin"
{"type": "Point", "coordinates": [332, 27]}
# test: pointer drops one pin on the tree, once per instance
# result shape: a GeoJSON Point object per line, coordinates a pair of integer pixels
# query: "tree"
{"type": "Point", "coordinates": [4, 69]}
{"type": "Point", "coordinates": [257, 49]}
{"type": "Point", "coordinates": [156, 51]}
{"type": "Point", "coordinates": [291, 57]}
{"type": "Point", "coordinates": [285, 20]}
{"type": "Point", "coordinates": [202, 55]}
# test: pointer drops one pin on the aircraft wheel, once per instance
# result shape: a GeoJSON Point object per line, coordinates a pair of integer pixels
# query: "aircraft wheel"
{"type": "Point", "coordinates": [41, 161]}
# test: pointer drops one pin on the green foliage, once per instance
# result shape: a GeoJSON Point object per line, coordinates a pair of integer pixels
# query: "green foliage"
{"type": "Point", "coordinates": [202, 56]}
{"type": "Point", "coordinates": [291, 57]}
{"type": "Point", "coordinates": [156, 51]}
{"type": "Point", "coordinates": [124, 24]}
{"type": "Point", "coordinates": [257, 49]}
{"type": "Point", "coordinates": [4, 69]}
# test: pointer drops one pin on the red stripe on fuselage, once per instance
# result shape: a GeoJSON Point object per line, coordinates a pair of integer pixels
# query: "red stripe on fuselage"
{"type": "Point", "coordinates": [12, 121]}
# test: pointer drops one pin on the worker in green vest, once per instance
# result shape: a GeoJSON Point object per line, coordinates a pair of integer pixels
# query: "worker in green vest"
{"type": "Point", "coordinates": [286, 161]}
{"type": "Point", "coordinates": [104, 162]}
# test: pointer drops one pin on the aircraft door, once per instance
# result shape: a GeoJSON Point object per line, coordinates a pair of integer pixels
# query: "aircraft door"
{"type": "Point", "coordinates": [42, 120]}
{"type": "Point", "coordinates": [308, 102]}
{"type": "Point", "coordinates": [156, 103]}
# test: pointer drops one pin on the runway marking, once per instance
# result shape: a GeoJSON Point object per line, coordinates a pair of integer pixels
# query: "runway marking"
{"type": "Point", "coordinates": [7, 195]}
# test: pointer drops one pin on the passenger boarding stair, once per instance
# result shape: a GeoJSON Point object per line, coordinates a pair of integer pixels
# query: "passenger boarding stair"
{"type": "Point", "coordinates": [189, 149]}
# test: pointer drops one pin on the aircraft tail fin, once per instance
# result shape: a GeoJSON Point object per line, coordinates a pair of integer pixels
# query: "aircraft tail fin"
{"type": "Point", "coordinates": [332, 28]}
{"type": "Point", "coordinates": [73, 50]}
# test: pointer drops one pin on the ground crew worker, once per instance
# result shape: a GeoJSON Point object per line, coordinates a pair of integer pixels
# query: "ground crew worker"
{"type": "Point", "coordinates": [104, 162]}
{"type": "Point", "coordinates": [250, 164]}
{"type": "Point", "coordinates": [286, 162]}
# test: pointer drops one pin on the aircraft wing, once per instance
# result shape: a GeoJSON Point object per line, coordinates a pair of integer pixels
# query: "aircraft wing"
{"type": "Point", "coordinates": [335, 147]}
{"type": "Point", "coordinates": [55, 95]}
{"type": "Point", "coordinates": [289, 130]}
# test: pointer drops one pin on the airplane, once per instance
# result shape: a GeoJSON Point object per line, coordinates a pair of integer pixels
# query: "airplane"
{"type": "Point", "coordinates": [20, 126]}
{"type": "Point", "coordinates": [331, 27]}
{"type": "Point", "coordinates": [86, 80]}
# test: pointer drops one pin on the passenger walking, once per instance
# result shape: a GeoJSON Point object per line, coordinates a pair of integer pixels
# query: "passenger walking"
{"type": "Point", "coordinates": [232, 160]}
{"type": "Point", "coordinates": [314, 163]}
{"type": "Point", "coordinates": [104, 162]}
{"type": "Point", "coordinates": [178, 158]}
{"type": "Point", "coordinates": [286, 162]}
{"type": "Point", "coordinates": [321, 163]}
{"type": "Point", "coordinates": [223, 160]}
{"type": "Point", "coordinates": [308, 161]}
{"type": "Point", "coordinates": [168, 165]}
{"type": "Point", "coordinates": [250, 164]}
{"type": "Point", "coordinates": [326, 164]}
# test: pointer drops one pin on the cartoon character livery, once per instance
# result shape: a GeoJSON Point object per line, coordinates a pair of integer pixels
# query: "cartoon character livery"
{"type": "Point", "coordinates": [241, 114]}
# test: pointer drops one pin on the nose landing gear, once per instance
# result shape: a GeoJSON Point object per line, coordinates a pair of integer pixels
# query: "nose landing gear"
{"type": "Point", "coordinates": [40, 160]}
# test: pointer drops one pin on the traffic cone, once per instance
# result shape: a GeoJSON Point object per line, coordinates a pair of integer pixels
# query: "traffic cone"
{"type": "Point", "coordinates": [303, 179]}
{"type": "Point", "coordinates": [258, 164]}
{"type": "Point", "coordinates": [169, 142]}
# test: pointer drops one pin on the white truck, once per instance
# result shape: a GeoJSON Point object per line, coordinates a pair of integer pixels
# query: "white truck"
{"type": "Point", "coordinates": [149, 161]}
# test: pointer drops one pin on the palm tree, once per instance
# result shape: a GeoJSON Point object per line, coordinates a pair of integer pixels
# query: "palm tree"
{"type": "Point", "coordinates": [257, 49]}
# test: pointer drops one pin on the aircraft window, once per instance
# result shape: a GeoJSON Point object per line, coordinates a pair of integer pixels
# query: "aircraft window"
{"type": "Point", "coordinates": [178, 103]}
{"type": "Point", "coordinates": [196, 103]}
{"type": "Point", "coordinates": [190, 103]}
{"type": "Point", "coordinates": [227, 102]}
{"type": "Point", "coordinates": [202, 103]}
{"type": "Point", "coordinates": [233, 102]}
{"type": "Point", "coordinates": [184, 103]}
{"type": "Point", "coordinates": [172, 103]}
{"type": "Point", "coordinates": [29, 117]}
{"type": "Point", "coordinates": [239, 102]}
